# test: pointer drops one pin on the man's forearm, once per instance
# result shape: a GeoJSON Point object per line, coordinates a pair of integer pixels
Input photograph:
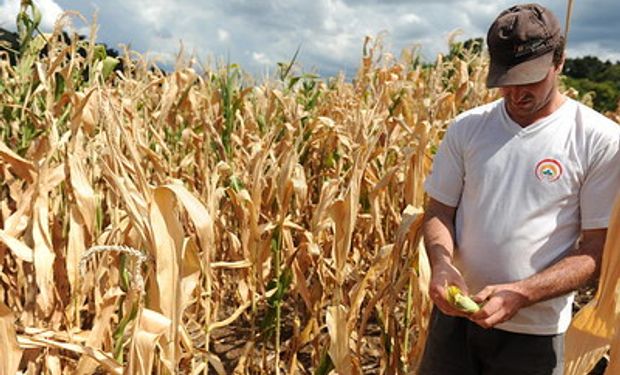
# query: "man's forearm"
{"type": "Point", "coordinates": [573, 271]}
{"type": "Point", "coordinates": [503, 301]}
{"type": "Point", "coordinates": [438, 241]}
{"type": "Point", "coordinates": [438, 230]}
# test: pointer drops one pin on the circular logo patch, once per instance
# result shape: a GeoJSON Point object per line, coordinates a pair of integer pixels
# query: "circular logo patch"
{"type": "Point", "coordinates": [549, 170]}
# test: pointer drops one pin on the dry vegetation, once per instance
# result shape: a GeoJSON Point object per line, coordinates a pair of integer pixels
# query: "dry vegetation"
{"type": "Point", "coordinates": [194, 223]}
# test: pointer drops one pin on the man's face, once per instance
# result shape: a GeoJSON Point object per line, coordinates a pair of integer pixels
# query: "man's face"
{"type": "Point", "coordinates": [527, 100]}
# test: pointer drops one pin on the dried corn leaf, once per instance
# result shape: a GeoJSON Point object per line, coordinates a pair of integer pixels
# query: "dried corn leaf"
{"type": "Point", "coordinates": [151, 327]}
{"type": "Point", "coordinates": [422, 303]}
{"type": "Point", "coordinates": [231, 318]}
{"type": "Point", "coordinates": [10, 351]}
{"type": "Point", "coordinates": [102, 358]}
{"type": "Point", "coordinates": [43, 255]}
{"type": "Point", "coordinates": [198, 214]}
{"type": "Point", "coordinates": [321, 214]}
{"type": "Point", "coordinates": [202, 222]}
{"type": "Point", "coordinates": [342, 217]}
{"type": "Point", "coordinates": [596, 324]}
{"type": "Point", "coordinates": [19, 249]}
{"type": "Point", "coordinates": [410, 226]}
{"type": "Point", "coordinates": [190, 272]}
{"type": "Point", "coordinates": [75, 248]}
{"type": "Point", "coordinates": [17, 223]}
{"type": "Point", "coordinates": [86, 112]}
{"type": "Point", "coordinates": [217, 364]}
{"type": "Point", "coordinates": [336, 319]}
{"type": "Point", "coordinates": [101, 330]}
{"type": "Point", "coordinates": [359, 292]}
{"type": "Point", "coordinates": [83, 191]}
{"type": "Point", "coordinates": [52, 363]}
{"type": "Point", "coordinates": [167, 233]}
{"type": "Point", "coordinates": [424, 269]}
{"type": "Point", "coordinates": [21, 167]}
{"type": "Point", "coordinates": [614, 351]}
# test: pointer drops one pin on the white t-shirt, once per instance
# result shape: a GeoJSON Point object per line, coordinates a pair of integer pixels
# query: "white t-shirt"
{"type": "Point", "coordinates": [524, 195]}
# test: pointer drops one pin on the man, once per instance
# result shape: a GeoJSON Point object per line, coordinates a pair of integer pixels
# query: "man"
{"type": "Point", "coordinates": [520, 195]}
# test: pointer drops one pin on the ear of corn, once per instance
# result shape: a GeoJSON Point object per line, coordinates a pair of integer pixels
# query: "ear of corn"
{"type": "Point", "coordinates": [461, 301]}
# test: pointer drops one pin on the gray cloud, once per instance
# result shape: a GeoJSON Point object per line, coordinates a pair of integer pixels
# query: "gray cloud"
{"type": "Point", "coordinates": [258, 34]}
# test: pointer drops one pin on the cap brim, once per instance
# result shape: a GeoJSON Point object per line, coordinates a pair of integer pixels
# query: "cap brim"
{"type": "Point", "coordinates": [530, 71]}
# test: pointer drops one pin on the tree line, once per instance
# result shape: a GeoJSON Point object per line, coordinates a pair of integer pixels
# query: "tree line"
{"type": "Point", "coordinates": [590, 74]}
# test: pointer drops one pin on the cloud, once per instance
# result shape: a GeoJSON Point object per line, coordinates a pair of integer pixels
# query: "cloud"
{"type": "Point", "coordinates": [261, 58]}
{"type": "Point", "coordinates": [331, 33]}
{"type": "Point", "coordinates": [223, 35]}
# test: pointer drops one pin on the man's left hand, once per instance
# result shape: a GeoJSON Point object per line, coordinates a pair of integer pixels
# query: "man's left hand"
{"type": "Point", "coordinates": [500, 303]}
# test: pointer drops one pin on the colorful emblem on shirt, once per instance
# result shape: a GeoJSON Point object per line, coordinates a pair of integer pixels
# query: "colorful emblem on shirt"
{"type": "Point", "coordinates": [549, 170]}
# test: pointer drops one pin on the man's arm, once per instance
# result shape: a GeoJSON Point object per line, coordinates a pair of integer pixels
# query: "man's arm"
{"type": "Point", "coordinates": [438, 230]}
{"type": "Point", "coordinates": [576, 269]}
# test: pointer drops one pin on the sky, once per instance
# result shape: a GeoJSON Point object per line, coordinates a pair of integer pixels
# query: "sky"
{"type": "Point", "coordinates": [330, 33]}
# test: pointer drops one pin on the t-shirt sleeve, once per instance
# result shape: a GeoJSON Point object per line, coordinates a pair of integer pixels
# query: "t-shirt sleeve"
{"type": "Point", "coordinates": [445, 182]}
{"type": "Point", "coordinates": [600, 187]}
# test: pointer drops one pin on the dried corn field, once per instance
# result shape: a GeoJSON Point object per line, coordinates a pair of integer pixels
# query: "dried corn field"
{"type": "Point", "coordinates": [199, 223]}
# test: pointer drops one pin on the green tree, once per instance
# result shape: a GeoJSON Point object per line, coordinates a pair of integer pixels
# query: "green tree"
{"type": "Point", "coordinates": [585, 67]}
{"type": "Point", "coordinates": [590, 74]}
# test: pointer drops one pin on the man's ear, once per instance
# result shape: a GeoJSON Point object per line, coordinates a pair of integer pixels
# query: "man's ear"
{"type": "Point", "coordinates": [560, 66]}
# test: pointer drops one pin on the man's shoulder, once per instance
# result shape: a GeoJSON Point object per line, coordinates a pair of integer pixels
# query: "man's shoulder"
{"type": "Point", "coordinates": [490, 109]}
{"type": "Point", "coordinates": [475, 119]}
{"type": "Point", "coordinates": [595, 123]}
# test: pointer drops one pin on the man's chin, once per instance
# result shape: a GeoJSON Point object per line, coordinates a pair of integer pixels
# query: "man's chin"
{"type": "Point", "coordinates": [520, 109]}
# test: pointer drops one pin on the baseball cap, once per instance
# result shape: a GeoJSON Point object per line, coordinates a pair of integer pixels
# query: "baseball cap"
{"type": "Point", "coordinates": [521, 41]}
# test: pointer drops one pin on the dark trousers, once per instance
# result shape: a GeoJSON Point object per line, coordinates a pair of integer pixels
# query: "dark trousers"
{"type": "Point", "coordinates": [457, 346]}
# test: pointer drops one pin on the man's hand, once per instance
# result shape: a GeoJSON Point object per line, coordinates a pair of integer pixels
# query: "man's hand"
{"type": "Point", "coordinates": [443, 275]}
{"type": "Point", "coordinates": [499, 303]}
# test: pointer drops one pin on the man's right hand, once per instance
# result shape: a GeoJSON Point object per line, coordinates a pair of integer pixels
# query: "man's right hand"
{"type": "Point", "coordinates": [444, 274]}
